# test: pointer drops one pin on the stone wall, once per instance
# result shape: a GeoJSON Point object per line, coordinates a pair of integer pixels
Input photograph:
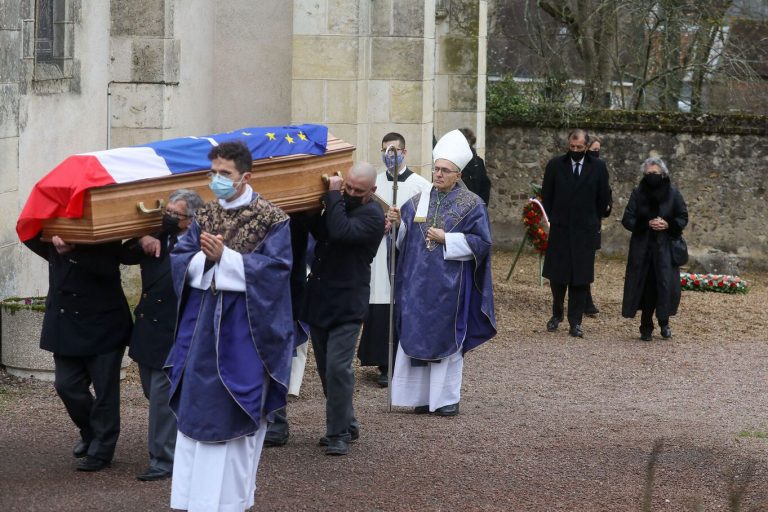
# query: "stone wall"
{"type": "Point", "coordinates": [721, 177]}
{"type": "Point", "coordinates": [368, 68]}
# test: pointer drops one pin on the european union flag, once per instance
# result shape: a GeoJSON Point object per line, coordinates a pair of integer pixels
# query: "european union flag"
{"type": "Point", "coordinates": [187, 154]}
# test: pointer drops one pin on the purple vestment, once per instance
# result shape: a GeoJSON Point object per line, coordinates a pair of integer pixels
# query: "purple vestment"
{"type": "Point", "coordinates": [443, 306]}
{"type": "Point", "coordinates": [231, 345]}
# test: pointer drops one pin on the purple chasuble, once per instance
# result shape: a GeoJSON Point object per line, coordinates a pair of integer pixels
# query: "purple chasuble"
{"type": "Point", "coordinates": [230, 346]}
{"type": "Point", "coordinates": [444, 306]}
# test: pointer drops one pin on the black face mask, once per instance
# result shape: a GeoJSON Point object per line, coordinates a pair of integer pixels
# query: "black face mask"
{"type": "Point", "coordinates": [653, 180]}
{"type": "Point", "coordinates": [352, 202]}
{"type": "Point", "coordinates": [594, 154]}
{"type": "Point", "coordinates": [576, 156]}
{"type": "Point", "coordinates": [171, 225]}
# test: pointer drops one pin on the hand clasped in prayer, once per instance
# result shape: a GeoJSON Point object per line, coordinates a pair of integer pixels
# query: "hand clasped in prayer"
{"type": "Point", "coordinates": [212, 246]}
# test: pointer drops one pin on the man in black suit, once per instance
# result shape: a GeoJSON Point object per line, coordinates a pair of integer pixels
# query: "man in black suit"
{"type": "Point", "coordinates": [575, 194]}
{"type": "Point", "coordinates": [348, 233]}
{"type": "Point", "coordinates": [87, 325]}
{"type": "Point", "coordinates": [155, 323]}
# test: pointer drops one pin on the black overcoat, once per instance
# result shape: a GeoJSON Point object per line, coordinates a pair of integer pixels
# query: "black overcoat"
{"type": "Point", "coordinates": [575, 208]}
{"type": "Point", "coordinates": [475, 177]}
{"type": "Point", "coordinates": [647, 246]}
{"type": "Point", "coordinates": [338, 287]}
{"type": "Point", "coordinates": [86, 312]}
{"type": "Point", "coordinates": [155, 314]}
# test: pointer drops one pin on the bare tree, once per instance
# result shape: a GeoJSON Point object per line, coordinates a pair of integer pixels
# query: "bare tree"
{"type": "Point", "coordinates": [642, 54]}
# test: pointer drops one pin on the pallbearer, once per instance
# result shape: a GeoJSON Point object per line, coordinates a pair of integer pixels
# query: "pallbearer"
{"type": "Point", "coordinates": [155, 325]}
{"type": "Point", "coordinates": [444, 295]}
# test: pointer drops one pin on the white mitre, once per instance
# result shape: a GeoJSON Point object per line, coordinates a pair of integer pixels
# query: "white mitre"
{"type": "Point", "coordinates": [453, 146]}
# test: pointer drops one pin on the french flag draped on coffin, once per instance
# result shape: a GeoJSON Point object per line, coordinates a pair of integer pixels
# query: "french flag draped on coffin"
{"type": "Point", "coordinates": [60, 193]}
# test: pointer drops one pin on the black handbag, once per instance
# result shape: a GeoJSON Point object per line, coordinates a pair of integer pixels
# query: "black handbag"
{"type": "Point", "coordinates": [679, 250]}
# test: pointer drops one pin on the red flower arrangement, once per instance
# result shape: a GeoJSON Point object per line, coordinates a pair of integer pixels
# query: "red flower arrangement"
{"type": "Point", "coordinates": [534, 221]}
{"type": "Point", "coordinates": [713, 283]}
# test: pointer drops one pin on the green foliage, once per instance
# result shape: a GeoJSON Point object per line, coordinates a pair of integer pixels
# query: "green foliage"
{"type": "Point", "coordinates": [13, 304]}
{"type": "Point", "coordinates": [506, 101]}
{"type": "Point", "coordinates": [513, 104]}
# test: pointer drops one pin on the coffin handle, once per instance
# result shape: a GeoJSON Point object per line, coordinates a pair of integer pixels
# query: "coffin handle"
{"type": "Point", "coordinates": [149, 211]}
{"type": "Point", "coordinates": [326, 179]}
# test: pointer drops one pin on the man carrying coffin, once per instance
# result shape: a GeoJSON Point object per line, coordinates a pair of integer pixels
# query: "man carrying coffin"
{"type": "Point", "coordinates": [374, 346]}
{"type": "Point", "coordinates": [443, 289]}
{"type": "Point", "coordinates": [87, 325]}
{"type": "Point", "coordinates": [231, 361]}
{"type": "Point", "coordinates": [347, 232]}
{"type": "Point", "coordinates": [155, 325]}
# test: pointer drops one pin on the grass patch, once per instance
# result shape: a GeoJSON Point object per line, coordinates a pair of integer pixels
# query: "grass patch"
{"type": "Point", "coordinates": [752, 434]}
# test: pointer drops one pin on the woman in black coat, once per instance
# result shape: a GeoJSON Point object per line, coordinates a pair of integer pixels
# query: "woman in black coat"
{"type": "Point", "coordinates": [655, 214]}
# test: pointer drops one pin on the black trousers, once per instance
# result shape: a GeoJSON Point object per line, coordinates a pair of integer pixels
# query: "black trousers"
{"type": "Point", "coordinates": [648, 303]}
{"type": "Point", "coordinates": [374, 342]}
{"type": "Point", "coordinates": [577, 301]}
{"type": "Point", "coordinates": [97, 417]}
{"type": "Point", "coordinates": [334, 350]}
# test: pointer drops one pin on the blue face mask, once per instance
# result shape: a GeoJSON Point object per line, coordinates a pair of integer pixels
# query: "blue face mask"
{"type": "Point", "coordinates": [223, 187]}
{"type": "Point", "coordinates": [387, 159]}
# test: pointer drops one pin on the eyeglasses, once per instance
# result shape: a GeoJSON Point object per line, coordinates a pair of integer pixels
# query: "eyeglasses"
{"type": "Point", "coordinates": [176, 215]}
{"type": "Point", "coordinates": [443, 170]}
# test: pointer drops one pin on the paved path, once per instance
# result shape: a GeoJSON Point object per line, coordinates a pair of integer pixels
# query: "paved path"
{"type": "Point", "coordinates": [547, 423]}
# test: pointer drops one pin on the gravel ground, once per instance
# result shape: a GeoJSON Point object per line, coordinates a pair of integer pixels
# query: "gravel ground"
{"type": "Point", "coordinates": [547, 422]}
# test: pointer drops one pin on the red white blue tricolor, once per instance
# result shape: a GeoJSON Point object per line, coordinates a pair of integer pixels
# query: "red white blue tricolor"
{"type": "Point", "coordinates": [60, 193]}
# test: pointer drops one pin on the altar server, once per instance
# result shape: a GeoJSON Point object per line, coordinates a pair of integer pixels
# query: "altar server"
{"type": "Point", "coordinates": [444, 294]}
{"type": "Point", "coordinates": [374, 342]}
{"type": "Point", "coordinates": [231, 361]}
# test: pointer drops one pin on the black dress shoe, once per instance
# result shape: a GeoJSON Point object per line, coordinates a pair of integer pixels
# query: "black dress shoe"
{"type": "Point", "coordinates": [646, 337]}
{"type": "Point", "coordinates": [152, 474]}
{"type": "Point", "coordinates": [273, 438]}
{"type": "Point", "coordinates": [421, 409]}
{"type": "Point", "coordinates": [448, 410]}
{"type": "Point", "coordinates": [666, 331]}
{"type": "Point", "coordinates": [92, 464]}
{"type": "Point", "coordinates": [553, 323]}
{"type": "Point", "coordinates": [576, 331]}
{"type": "Point", "coordinates": [81, 449]}
{"type": "Point", "coordinates": [383, 380]}
{"type": "Point", "coordinates": [591, 310]}
{"type": "Point", "coordinates": [354, 435]}
{"type": "Point", "coordinates": [337, 446]}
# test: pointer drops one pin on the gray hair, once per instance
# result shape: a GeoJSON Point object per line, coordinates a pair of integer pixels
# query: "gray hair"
{"type": "Point", "coordinates": [364, 170]}
{"type": "Point", "coordinates": [654, 160]}
{"type": "Point", "coordinates": [190, 197]}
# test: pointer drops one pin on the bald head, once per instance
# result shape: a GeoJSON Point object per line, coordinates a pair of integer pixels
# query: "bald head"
{"type": "Point", "coordinates": [364, 172]}
{"type": "Point", "coordinates": [360, 181]}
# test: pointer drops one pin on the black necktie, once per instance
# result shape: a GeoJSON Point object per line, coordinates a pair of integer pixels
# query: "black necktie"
{"type": "Point", "coordinates": [576, 170]}
{"type": "Point", "coordinates": [172, 241]}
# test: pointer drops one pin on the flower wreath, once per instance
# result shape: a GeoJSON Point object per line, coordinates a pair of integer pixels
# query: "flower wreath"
{"type": "Point", "coordinates": [713, 283]}
{"type": "Point", "coordinates": [535, 220]}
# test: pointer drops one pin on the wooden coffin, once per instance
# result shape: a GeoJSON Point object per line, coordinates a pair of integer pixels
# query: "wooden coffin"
{"type": "Point", "coordinates": [116, 212]}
